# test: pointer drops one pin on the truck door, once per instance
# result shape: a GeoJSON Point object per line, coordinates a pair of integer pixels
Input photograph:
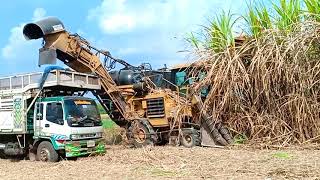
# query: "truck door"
{"type": "Point", "coordinates": [38, 118]}
{"type": "Point", "coordinates": [50, 121]}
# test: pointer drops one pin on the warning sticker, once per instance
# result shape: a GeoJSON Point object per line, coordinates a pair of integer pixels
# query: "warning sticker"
{"type": "Point", "coordinates": [57, 27]}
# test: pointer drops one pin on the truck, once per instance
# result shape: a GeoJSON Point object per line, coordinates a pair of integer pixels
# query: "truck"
{"type": "Point", "coordinates": [52, 120]}
{"type": "Point", "coordinates": [149, 114]}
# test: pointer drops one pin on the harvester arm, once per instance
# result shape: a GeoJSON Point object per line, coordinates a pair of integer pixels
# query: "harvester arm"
{"type": "Point", "coordinates": [76, 53]}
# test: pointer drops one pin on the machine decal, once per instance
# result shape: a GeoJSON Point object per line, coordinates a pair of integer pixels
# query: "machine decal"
{"type": "Point", "coordinates": [59, 137]}
{"type": "Point", "coordinates": [58, 141]}
{"type": "Point", "coordinates": [80, 148]}
{"type": "Point", "coordinates": [17, 113]}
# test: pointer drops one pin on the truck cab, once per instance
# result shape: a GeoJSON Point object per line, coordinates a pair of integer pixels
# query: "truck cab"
{"type": "Point", "coordinates": [71, 124]}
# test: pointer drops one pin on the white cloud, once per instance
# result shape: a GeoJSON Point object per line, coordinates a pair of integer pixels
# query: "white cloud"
{"type": "Point", "coordinates": [118, 22]}
{"type": "Point", "coordinates": [38, 14]}
{"type": "Point", "coordinates": [154, 30]}
{"type": "Point", "coordinates": [18, 47]}
{"type": "Point", "coordinates": [119, 16]}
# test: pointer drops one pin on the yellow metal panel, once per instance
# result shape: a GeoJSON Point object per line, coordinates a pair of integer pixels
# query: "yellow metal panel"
{"type": "Point", "coordinates": [144, 104]}
{"type": "Point", "coordinates": [159, 122]}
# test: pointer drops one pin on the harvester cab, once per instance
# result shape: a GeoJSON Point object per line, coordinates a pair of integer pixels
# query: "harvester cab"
{"type": "Point", "coordinates": [213, 134]}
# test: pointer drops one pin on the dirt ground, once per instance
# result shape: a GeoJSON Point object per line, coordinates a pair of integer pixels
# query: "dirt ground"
{"type": "Point", "coordinates": [174, 163]}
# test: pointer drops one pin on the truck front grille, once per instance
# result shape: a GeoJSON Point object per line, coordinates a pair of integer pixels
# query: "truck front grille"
{"type": "Point", "coordinates": [155, 108]}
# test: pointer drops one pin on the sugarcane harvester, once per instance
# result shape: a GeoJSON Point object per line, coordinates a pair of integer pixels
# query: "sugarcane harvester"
{"type": "Point", "coordinates": [149, 116]}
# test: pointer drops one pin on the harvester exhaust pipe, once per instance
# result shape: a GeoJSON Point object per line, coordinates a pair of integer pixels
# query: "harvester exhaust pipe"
{"type": "Point", "coordinates": [40, 29]}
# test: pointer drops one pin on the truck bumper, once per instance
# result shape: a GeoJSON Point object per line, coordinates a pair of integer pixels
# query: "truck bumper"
{"type": "Point", "coordinates": [84, 147]}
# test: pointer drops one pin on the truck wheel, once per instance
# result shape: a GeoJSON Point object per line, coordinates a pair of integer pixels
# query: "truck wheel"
{"type": "Point", "coordinates": [46, 152]}
{"type": "Point", "coordinates": [189, 138]}
{"type": "Point", "coordinates": [141, 136]}
{"type": "Point", "coordinates": [2, 155]}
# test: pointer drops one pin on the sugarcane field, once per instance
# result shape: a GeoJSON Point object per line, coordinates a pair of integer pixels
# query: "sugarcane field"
{"type": "Point", "coordinates": [179, 89]}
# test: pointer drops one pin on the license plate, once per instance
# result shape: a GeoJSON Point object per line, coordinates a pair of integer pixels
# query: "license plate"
{"type": "Point", "coordinates": [91, 143]}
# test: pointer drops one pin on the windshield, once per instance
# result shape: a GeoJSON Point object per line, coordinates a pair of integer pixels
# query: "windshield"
{"type": "Point", "coordinates": [82, 113]}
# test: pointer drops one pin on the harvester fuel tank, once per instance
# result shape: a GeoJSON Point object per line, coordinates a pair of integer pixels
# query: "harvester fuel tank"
{"type": "Point", "coordinates": [129, 77]}
{"type": "Point", "coordinates": [126, 77]}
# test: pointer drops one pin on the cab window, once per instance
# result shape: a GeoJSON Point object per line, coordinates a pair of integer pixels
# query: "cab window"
{"type": "Point", "coordinates": [54, 113]}
{"type": "Point", "coordinates": [180, 78]}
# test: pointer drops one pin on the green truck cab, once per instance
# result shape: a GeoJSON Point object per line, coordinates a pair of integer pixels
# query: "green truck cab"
{"type": "Point", "coordinates": [72, 125]}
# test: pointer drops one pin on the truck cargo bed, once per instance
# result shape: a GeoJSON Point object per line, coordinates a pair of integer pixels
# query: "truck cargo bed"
{"type": "Point", "coordinates": [26, 82]}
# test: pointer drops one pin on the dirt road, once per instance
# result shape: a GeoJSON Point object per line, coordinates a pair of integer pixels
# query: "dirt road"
{"type": "Point", "coordinates": [174, 162]}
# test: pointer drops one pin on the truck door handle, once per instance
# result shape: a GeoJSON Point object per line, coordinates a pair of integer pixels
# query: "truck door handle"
{"type": "Point", "coordinates": [46, 125]}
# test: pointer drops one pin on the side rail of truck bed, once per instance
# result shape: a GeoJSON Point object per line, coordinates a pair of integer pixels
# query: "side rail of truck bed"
{"type": "Point", "coordinates": [26, 82]}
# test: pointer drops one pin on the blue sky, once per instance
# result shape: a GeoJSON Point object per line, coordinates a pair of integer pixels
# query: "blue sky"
{"type": "Point", "coordinates": [134, 30]}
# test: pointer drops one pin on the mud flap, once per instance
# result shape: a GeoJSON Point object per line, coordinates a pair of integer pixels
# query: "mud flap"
{"type": "Point", "coordinates": [206, 139]}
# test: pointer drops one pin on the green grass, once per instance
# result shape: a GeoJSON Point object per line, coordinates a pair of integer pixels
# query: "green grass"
{"type": "Point", "coordinates": [240, 139]}
{"type": "Point", "coordinates": [108, 124]}
{"type": "Point", "coordinates": [162, 173]}
{"type": "Point", "coordinates": [282, 155]}
{"type": "Point", "coordinates": [100, 108]}
{"type": "Point", "coordinates": [112, 132]}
